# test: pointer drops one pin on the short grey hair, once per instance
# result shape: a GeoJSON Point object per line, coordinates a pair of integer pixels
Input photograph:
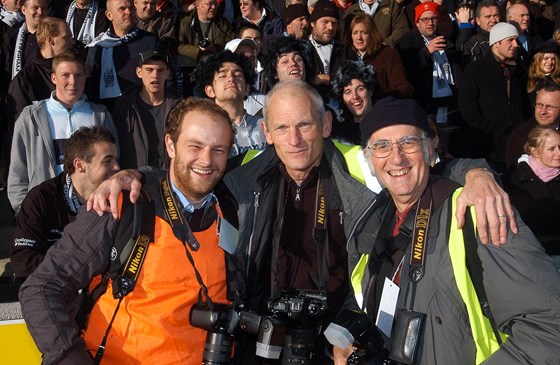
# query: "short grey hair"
{"type": "Point", "coordinates": [317, 105]}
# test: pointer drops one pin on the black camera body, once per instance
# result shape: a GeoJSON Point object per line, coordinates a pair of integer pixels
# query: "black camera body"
{"type": "Point", "coordinates": [220, 322]}
{"type": "Point", "coordinates": [299, 306]}
{"type": "Point", "coordinates": [204, 43]}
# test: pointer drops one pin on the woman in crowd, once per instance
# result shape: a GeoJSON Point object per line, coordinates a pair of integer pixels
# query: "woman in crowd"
{"type": "Point", "coordinates": [367, 46]}
{"type": "Point", "coordinates": [544, 69]}
{"type": "Point", "coordinates": [535, 186]}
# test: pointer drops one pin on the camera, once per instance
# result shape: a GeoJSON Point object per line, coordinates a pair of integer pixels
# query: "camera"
{"type": "Point", "coordinates": [204, 43]}
{"type": "Point", "coordinates": [355, 328]}
{"type": "Point", "coordinates": [299, 306]}
{"type": "Point", "coordinates": [221, 322]}
{"type": "Point", "coordinates": [299, 313]}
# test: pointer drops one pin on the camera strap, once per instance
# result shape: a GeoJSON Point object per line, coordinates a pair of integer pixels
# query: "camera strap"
{"type": "Point", "coordinates": [320, 237]}
{"type": "Point", "coordinates": [183, 232]}
{"type": "Point", "coordinates": [419, 244]}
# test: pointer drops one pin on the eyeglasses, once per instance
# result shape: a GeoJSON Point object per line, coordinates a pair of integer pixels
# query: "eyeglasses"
{"type": "Point", "coordinates": [410, 144]}
{"type": "Point", "coordinates": [433, 19]}
{"type": "Point", "coordinates": [546, 106]}
{"type": "Point", "coordinates": [245, 3]}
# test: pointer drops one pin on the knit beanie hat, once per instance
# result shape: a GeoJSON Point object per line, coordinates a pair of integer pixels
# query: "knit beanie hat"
{"type": "Point", "coordinates": [293, 12]}
{"type": "Point", "coordinates": [502, 31]}
{"type": "Point", "coordinates": [391, 111]}
{"type": "Point", "coordinates": [324, 8]}
{"type": "Point", "coordinates": [422, 8]}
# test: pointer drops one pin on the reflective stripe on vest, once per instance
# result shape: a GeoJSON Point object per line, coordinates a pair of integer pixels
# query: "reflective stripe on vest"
{"type": "Point", "coordinates": [350, 153]}
{"type": "Point", "coordinates": [483, 335]}
{"type": "Point", "coordinates": [249, 155]}
{"type": "Point", "coordinates": [356, 278]}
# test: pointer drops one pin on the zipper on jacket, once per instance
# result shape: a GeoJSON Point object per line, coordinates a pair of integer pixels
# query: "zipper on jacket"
{"type": "Point", "coordinates": [298, 190]}
{"type": "Point", "coordinates": [250, 247]}
{"type": "Point", "coordinates": [341, 214]}
{"type": "Point", "coordinates": [358, 221]}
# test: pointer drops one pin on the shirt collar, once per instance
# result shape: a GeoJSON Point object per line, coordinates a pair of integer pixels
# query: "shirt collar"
{"type": "Point", "coordinates": [57, 104]}
{"type": "Point", "coordinates": [187, 205]}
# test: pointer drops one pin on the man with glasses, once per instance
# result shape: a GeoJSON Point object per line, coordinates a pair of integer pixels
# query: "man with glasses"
{"type": "Point", "coordinates": [493, 98]}
{"type": "Point", "coordinates": [434, 273]}
{"type": "Point", "coordinates": [202, 30]}
{"type": "Point", "coordinates": [547, 114]}
{"type": "Point", "coordinates": [430, 61]}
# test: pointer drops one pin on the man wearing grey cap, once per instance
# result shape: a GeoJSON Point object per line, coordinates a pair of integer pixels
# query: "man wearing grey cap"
{"type": "Point", "coordinates": [492, 97]}
{"type": "Point", "coordinates": [420, 283]}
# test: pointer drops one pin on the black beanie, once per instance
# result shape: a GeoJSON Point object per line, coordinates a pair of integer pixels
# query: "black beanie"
{"type": "Point", "coordinates": [391, 111]}
{"type": "Point", "coordinates": [322, 9]}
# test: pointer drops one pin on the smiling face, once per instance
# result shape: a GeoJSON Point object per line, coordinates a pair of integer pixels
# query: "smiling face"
{"type": "Point", "coordinates": [404, 175]}
{"type": "Point", "coordinates": [249, 9]}
{"type": "Point", "coordinates": [549, 153]}
{"type": "Point", "coordinates": [34, 11]}
{"type": "Point", "coordinates": [290, 66]}
{"type": "Point", "coordinates": [102, 165]}
{"type": "Point", "coordinates": [506, 48]}
{"type": "Point", "coordinates": [361, 37]}
{"type": "Point", "coordinates": [357, 98]}
{"type": "Point", "coordinates": [547, 108]}
{"type": "Point", "coordinates": [153, 74]}
{"type": "Point", "coordinates": [296, 131]}
{"type": "Point", "coordinates": [206, 9]}
{"type": "Point", "coordinates": [548, 62]}
{"type": "Point", "coordinates": [199, 156]}
{"type": "Point", "coordinates": [228, 85]}
{"type": "Point", "coordinates": [70, 81]}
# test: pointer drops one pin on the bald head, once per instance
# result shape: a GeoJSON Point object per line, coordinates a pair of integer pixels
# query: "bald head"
{"type": "Point", "coordinates": [518, 15]}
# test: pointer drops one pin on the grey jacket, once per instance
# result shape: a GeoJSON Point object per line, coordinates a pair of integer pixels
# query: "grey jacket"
{"type": "Point", "coordinates": [520, 280]}
{"type": "Point", "coordinates": [33, 158]}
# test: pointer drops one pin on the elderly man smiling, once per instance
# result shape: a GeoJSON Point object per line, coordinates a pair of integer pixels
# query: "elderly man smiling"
{"type": "Point", "coordinates": [429, 265]}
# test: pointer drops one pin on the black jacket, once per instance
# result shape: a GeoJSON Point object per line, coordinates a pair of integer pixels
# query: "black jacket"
{"type": "Point", "coordinates": [42, 217]}
{"type": "Point", "coordinates": [486, 107]}
{"type": "Point", "coordinates": [419, 67]}
{"type": "Point", "coordinates": [32, 83]}
{"type": "Point", "coordinates": [133, 137]}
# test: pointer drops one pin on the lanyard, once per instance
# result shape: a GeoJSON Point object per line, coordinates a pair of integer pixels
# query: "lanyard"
{"type": "Point", "coordinates": [419, 244]}
{"type": "Point", "coordinates": [183, 232]}
{"type": "Point", "coordinates": [319, 236]}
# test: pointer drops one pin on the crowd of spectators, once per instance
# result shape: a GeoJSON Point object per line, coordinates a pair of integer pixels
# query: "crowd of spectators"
{"type": "Point", "coordinates": [486, 72]}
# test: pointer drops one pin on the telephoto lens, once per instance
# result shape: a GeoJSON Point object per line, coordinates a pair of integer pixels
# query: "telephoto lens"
{"type": "Point", "coordinates": [220, 322]}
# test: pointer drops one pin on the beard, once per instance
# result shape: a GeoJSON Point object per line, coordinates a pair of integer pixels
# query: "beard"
{"type": "Point", "coordinates": [193, 185]}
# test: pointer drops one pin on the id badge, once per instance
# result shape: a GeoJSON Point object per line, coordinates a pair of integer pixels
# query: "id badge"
{"type": "Point", "coordinates": [229, 236]}
{"type": "Point", "coordinates": [387, 307]}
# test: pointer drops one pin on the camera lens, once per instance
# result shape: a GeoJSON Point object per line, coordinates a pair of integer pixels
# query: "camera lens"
{"type": "Point", "coordinates": [217, 348]}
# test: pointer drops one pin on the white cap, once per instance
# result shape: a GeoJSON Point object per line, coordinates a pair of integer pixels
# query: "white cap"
{"type": "Point", "coordinates": [235, 43]}
{"type": "Point", "coordinates": [502, 31]}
